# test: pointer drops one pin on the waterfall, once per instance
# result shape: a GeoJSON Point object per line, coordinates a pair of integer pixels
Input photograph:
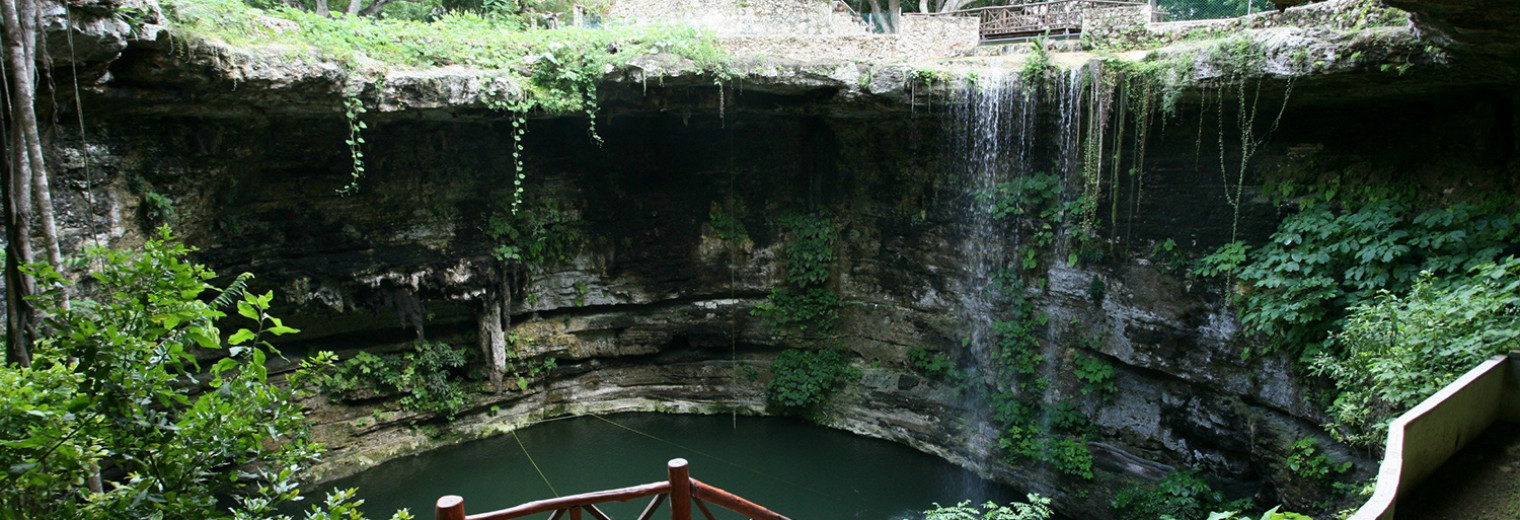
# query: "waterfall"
{"type": "Point", "coordinates": [998, 134]}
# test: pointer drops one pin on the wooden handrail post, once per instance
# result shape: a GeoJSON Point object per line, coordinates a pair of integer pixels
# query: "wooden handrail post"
{"type": "Point", "coordinates": [680, 490]}
{"type": "Point", "coordinates": [450, 507]}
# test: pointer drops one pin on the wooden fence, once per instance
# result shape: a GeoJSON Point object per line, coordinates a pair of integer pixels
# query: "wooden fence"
{"type": "Point", "coordinates": [1054, 17]}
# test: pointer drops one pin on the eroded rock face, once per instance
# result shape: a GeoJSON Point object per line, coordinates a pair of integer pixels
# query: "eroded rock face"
{"type": "Point", "coordinates": [652, 310]}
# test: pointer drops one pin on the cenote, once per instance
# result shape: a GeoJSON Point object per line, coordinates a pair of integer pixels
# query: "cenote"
{"type": "Point", "coordinates": [797, 469]}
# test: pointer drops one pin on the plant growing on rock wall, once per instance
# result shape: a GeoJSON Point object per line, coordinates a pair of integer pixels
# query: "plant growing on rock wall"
{"type": "Point", "coordinates": [1344, 245]}
{"type": "Point", "coordinates": [429, 378]}
{"type": "Point", "coordinates": [807, 302]}
{"type": "Point", "coordinates": [803, 380]}
{"type": "Point", "coordinates": [1307, 461]}
{"type": "Point", "coordinates": [1096, 375]}
{"type": "Point", "coordinates": [352, 109]}
{"type": "Point", "coordinates": [1182, 495]}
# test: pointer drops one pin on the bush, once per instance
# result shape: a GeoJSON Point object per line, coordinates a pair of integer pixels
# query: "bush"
{"type": "Point", "coordinates": [117, 385]}
{"type": "Point", "coordinates": [936, 365]}
{"type": "Point", "coordinates": [1401, 349]}
{"type": "Point", "coordinates": [1181, 495]}
{"type": "Point", "coordinates": [1038, 508]}
{"type": "Point", "coordinates": [1341, 250]}
{"type": "Point", "coordinates": [803, 380]}
{"type": "Point", "coordinates": [429, 378]}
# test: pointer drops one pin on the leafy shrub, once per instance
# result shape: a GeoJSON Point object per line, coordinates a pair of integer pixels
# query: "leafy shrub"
{"type": "Point", "coordinates": [817, 308]}
{"type": "Point", "coordinates": [1306, 461]}
{"type": "Point", "coordinates": [810, 248]}
{"type": "Point", "coordinates": [1096, 375]}
{"type": "Point", "coordinates": [535, 236]}
{"type": "Point", "coordinates": [1181, 495]}
{"type": "Point", "coordinates": [116, 384]}
{"type": "Point", "coordinates": [1067, 454]}
{"type": "Point", "coordinates": [1030, 196]}
{"type": "Point", "coordinates": [803, 380]}
{"type": "Point", "coordinates": [727, 225]}
{"type": "Point", "coordinates": [1038, 508]}
{"type": "Point", "coordinates": [429, 378]}
{"type": "Point", "coordinates": [936, 365]}
{"type": "Point", "coordinates": [1401, 349]}
{"type": "Point", "coordinates": [1271, 514]}
{"type": "Point", "coordinates": [1340, 250]}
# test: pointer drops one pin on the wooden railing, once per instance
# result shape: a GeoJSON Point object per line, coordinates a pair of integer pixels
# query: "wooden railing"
{"type": "Point", "coordinates": [680, 487]}
{"type": "Point", "coordinates": [1035, 18]}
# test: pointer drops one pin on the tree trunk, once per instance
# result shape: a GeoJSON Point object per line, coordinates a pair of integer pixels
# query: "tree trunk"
{"type": "Point", "coordinates": [353, 7]}
{"type": "Point", "coordinates": [894, 8]}
{"type": "Point", "coordinates": [322, 8]}
{"type": "Point", "coordinates": [876, 18]}
{"type": "Point", "coordinates": [374, 8]}
{"type": "Point", "coordinates": [20, 41]}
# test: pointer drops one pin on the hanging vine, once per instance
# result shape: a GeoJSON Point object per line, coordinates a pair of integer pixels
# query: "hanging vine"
{"type": "Point", "coordinates": [353, 107]}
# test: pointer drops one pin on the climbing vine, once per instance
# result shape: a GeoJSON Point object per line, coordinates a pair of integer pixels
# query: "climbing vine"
{"type": "Point", "coordinates": [352, 109]}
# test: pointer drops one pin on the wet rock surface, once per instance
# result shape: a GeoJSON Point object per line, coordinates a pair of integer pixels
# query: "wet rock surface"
{"type": "Point", "coordinates": [652, 312]}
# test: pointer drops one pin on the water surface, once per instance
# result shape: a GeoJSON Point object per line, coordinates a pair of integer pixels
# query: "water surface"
{"type": "Point", "coordinates": [804, 471]}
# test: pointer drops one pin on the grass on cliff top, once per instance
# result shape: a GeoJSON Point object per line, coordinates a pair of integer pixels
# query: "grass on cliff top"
{"type": "Point", "coordinates": [457, 38]}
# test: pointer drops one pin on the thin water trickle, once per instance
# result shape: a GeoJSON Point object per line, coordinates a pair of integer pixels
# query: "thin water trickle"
{"type": "Point", "coordinates": [997, 132]}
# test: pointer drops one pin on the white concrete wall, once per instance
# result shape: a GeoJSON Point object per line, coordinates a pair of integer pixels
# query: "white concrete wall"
{"type": "Point", "coordinates": [1424, 438]}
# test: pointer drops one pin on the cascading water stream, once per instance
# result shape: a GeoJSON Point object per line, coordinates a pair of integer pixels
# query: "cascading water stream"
{"type": "Point", "coordinates": [996, 133]}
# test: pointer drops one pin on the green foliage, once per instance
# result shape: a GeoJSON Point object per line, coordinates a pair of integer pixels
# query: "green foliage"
{"type": "Point", "coordinates": [802, 380]}
{"type": "Point", "coordinates": [1038, 508]}
{"type": "Point", "coordinates": [1182, 495]}
{"type": "Point", "coordinates": [352, 109]}
{"type": "Point", "coordinates": [1037, 65]}
{"type": "Point", "coordinates": [157, 209]}
{"type": "Point", "coordinates": [1306, 461]}
{"type": "Point", "coordinates": [339, 505]}
{"type": "Point", "coordinates": [117, 384]}
{"type": "Point", "coordinates": [1400, 349]}
{"type": "Point", "coordinates": [809, 260]}
{"type": "Point", "coordinates": [1030, 196]}
{"type": "Point", "coordinates": [726, 224]}
{"type": "Point", "coordinates": [1225, 260]}
{"type": "Point", "coordinates": [1017, 357]}
{"type": "Point", "coordinates": [1167, 257]}
{"type": "Point", "coordinates": [1067, 454]}
{"type": "Point", "coordinates": [457, 38]}
{"type": "Point", "coordinates": [429, 378]}
{"type": "Point", "coordinates": [810, 247]}
{"type": "Point", "coordinates": [936, 365]}
{"type": "Point", "coordinates": [1096, 375]}
{"type": "Point", "coordinates": [817, 308]}
{"type": "Point", "coordinates": [1340, 249]}
{"type": "Point", "coordinates": [1057, 438]}
{"type": "Point", "coordinates": [1271, 514]}
{"type": "Point", "coordinates": [534, 237]}
{"type": "Point", "coordinates": [522, 370]}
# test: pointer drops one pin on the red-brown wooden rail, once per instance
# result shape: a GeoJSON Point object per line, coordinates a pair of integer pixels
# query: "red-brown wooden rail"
{"type": "Point", "coordinates": [679, 487]}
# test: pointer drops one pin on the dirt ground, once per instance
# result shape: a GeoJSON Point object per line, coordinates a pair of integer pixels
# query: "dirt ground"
{"type": "Point", "coordinates": [1482, 482]}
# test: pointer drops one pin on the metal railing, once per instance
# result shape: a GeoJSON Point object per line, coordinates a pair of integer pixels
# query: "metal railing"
{"type": "Point", "coordinates": [682, 490]}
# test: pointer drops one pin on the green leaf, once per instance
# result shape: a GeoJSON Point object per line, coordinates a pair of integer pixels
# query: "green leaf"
{"type": "Point", "coordinates": [240, 337]}
{"type": "Point", "coordinates": [247, 310]}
